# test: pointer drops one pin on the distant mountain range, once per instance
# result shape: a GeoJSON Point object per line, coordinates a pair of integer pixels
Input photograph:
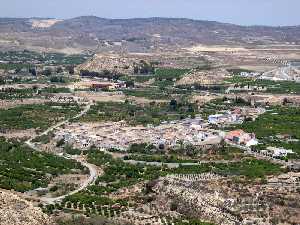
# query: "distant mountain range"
{"type": "Point", "coordinates": [93, 33]}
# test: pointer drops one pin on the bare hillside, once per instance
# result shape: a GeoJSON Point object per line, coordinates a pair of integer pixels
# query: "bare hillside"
{"type": "Point", "coordinates": [90, 33]}
{"type": "Point", "coordinates": [16, 211]}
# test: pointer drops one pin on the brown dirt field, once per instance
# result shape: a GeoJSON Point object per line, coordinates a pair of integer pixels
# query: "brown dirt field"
{"type": "Point", "coordinates": [203, 99]}
{"type": "Point", "coordinates": [101, 96]}
{"type": "Point", "coordinates": [5, 104]}
{"type": "Point", "coordinates": [19, 134]}
{"type": "Point", "coordinates": [215, 48]}
{"type": "Point", "coordinates": [141, 100]}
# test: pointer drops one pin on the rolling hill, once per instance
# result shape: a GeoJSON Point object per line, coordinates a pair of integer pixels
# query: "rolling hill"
{"type": "Point", "coordinates": [90, 33]}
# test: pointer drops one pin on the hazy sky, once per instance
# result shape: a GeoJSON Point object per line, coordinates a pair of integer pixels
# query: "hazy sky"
{"type": "Point", "coordinates": [248, 12]}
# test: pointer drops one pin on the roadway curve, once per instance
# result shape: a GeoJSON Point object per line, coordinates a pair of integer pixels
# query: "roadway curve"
{"type": "Point", "coordinates": [91, 167]}
{"type": "Point", "coordinates": [92, 178]}
{"type": "Point", "coordinates": [93, 170]}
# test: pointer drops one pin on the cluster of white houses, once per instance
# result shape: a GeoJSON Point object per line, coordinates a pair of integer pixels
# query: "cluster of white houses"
{"type": "Point", "coordinates": [173, 134]}
{"type": "Point", "coordinates": [277, 152]}
{"type": "Point", "coordinates": [168, 135]}
{"type": "Point", "coordinates": [235, 116]}
{"type": "Point", "coordinates": [119, 135]}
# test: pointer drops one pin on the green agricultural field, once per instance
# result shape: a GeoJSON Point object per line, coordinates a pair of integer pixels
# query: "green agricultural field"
{"type": "Point", "coordinates": [15, 66]}
{"type": "Point", "coordinates": [169, 73]}
{"type": "Point", "coordinates": [180, 154]}
{"type": "Point", "coordinates": [221, 104]}
{"type": "Point", "coordinates": [163, 92]}
{"type": "Point", "coordinates": [142, 79]}
{"type": "Point", "coordinates": [277, 121]}
{"type": "Point", "coordinates": [251, 169]}
{"type": "Point", "coordinates": [165, 76]}
{"type": "Point", "coordinates": [274, 87]}
{"type": "Point", "coordinates": [54, 90]}
{"type": "Point", "coordinates": [138, 78]}
{"type": "Point", "coordinates": [159, 158]}
{"type": "Point", "coordinates": [36, 116]}
{"type": "Point", "coordinates": [149, 93]}
{"type": "Point", "coordinates": [23, 169]}
{"type": "Point", "coordinates": [14, 94]}
{"type": "Point", "coordinates": [72, 151]}
{"type": "Point", "coordinates": [87, 203]}
{"type": "Point", "coordinates": [135, 114]}
{"type": "Point", "coordinates": [17, 94]}
{"type": "Point", "coordinates": [118, 174]}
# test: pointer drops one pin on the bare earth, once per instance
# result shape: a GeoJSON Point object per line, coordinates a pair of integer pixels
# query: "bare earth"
{"type": "Point", "coordinates": [16, 211]}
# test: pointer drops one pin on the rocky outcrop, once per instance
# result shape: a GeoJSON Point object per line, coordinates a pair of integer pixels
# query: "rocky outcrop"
{"type": "Point", "coordinates": [110, 62]}
{"type": "Point", "coordinates": [16, 211]}
{"type": "Point", "coordinates": [204, 77]}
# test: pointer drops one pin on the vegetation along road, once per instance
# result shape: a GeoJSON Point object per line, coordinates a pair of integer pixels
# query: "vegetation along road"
{"type": "Point", "coordinates": [92, 170]}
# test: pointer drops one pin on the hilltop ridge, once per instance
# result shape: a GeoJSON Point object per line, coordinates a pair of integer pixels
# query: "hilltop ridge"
{"type": "Point", "coordinates": [138, 34]}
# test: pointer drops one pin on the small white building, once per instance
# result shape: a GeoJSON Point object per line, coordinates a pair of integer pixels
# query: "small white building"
{"type": "Point", "coordinates": [215, 119]}
{"type": "Point", "coordinates": [278, 152]}
{"type": "Point", "coordinates": [227, 117]}
{"type": "Point", "coordinates": [252, 142]}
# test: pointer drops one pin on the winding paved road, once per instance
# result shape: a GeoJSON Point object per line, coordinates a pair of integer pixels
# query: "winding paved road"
{"type": "Point", "coordinates": [85, 184]}
{"type": "Point", "coordinates": [93, 170]}
{"type": "Point", "coordinates": [91, 167]}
